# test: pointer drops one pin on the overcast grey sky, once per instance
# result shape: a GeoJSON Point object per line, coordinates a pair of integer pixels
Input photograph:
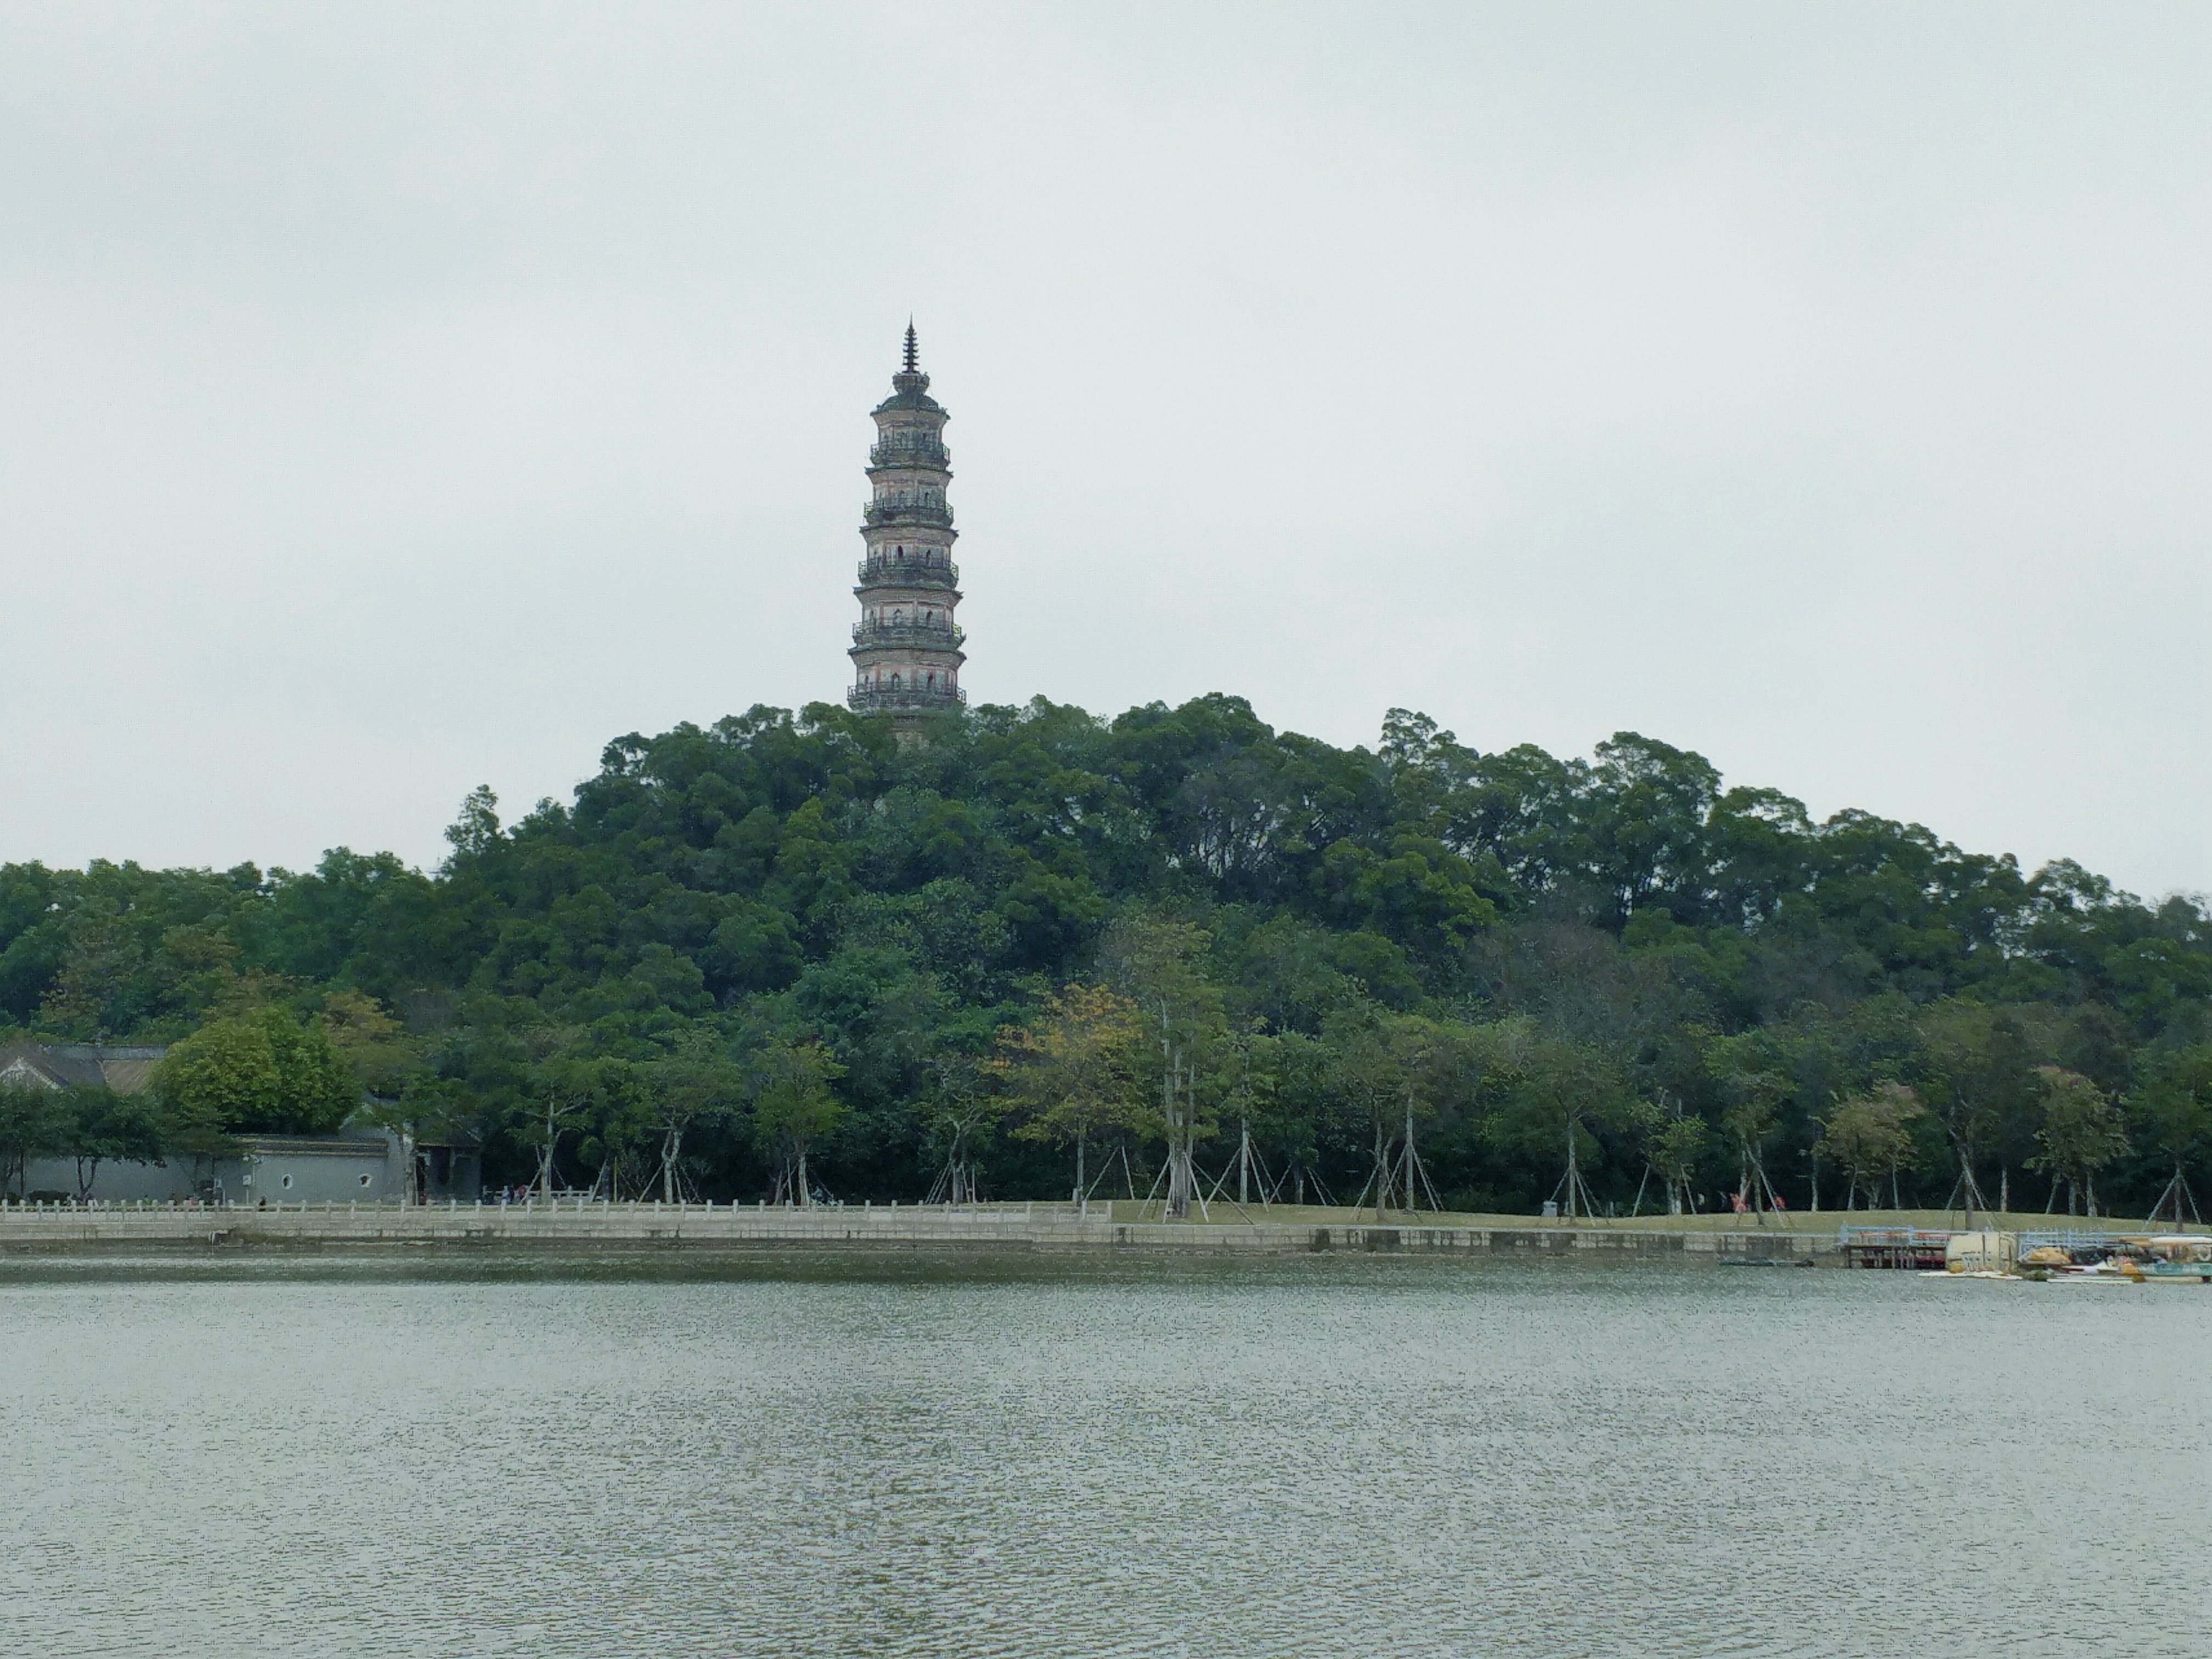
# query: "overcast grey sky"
{"type": "Point", "coordinates": [394, 398]}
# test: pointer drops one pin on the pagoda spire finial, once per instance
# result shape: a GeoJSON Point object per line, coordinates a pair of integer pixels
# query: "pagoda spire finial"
{"type": "Point", "coordinates": [913, 349]}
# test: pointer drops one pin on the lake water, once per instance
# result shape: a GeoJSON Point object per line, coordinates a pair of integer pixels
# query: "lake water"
{"type": "Point", "coordinates": [860, 1455]}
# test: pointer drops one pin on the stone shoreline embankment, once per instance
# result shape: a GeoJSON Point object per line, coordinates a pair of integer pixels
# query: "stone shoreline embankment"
{"type": "Point", "coordinates": [1008, 1226]}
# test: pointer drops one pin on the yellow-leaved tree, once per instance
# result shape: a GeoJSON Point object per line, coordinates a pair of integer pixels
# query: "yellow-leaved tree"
{"type": "Point", "coordinates": [1071, 1069]}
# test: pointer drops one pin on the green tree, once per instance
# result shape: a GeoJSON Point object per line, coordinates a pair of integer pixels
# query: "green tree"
{"type": "Point", "coordinates": [476, 831]}
{"type": "Point", "coordinates": [1978, 1065]}
{"type": "Point", "coordinates": [794, 1108]}
{"type": "Point", "coordinates": [316, 1089]}
{"type": "Point", "coordinates": [1752, 1089]}
{"type": "Point", "coordinates": [699, 1084]}
{"type": "Point", "coordinates": [1371, 1073]}
{"type": "Point", "coordinates": [1157, 961]}
{"type": "Point", "coordinates": [1070, 1071]}
{"type": "Point", "coordinates": [2082, 1134]}
{"type": "Point", "coordinates": [959, 1110]}
{"type": "Point", "coordinates": [1545, 1096]}
{"type": "Point", "coordinates": [221, 1077]}
{"type": "Point", "coordinates": [1247, 1086]}
{"type": "Point", "coordinates": [261, 1073]}
{"type": "Point", "coordinates": [100, 1125]}
{"type": "Point", "coordinates": [2174, 1106]}
{"type": "Point", "coordinates": [782, 871]}
{"type": "Point", "coordinates": [371, 1041]}
{"type": "Point", "coordinates": [1299, 1108]}
{"type": "Point", "coordinates": [563, 1085]}
{"type": "Point", "coordinates": [196, 970]}
{"type": "Point", "coordinates": [1869, 1136]}
{"type": "Point", "coordinates": [391, 1078]}
{"type": "Point", "coordinates": [613, 1105]}
{"type": "Point", "coordinates": [1675, 1144]}
{"type": "Point", "coordinates": [91, 993]}
{"type": "Point", "coordinates": [34, 1123]}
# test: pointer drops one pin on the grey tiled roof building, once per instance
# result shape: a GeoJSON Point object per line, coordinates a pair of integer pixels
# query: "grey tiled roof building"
{"type": "Point", "coordinates": [76, 1066]}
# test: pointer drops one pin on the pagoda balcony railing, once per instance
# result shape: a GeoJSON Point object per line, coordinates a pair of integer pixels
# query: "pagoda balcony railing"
{"type": "Point", "coordinates": [899, 509]}
{"type": "Point", "coordinates": [873, 699]}
{"type": "Point", "coordinates": [908, 572]}
{"type": "Point", "coordinates": [929, 453]}
{"type": "Point", "coordinates": [922, 636]}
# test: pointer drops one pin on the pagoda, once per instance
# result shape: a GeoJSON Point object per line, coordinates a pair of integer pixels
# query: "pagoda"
{"type": "Point", "coordinates": [906, 648]}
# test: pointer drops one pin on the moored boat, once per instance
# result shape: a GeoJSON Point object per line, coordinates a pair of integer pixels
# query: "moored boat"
{"type": "Point", "coordinates": [2124, 1259]}
{"type": "Point", "coordinates": [2075, 1258]}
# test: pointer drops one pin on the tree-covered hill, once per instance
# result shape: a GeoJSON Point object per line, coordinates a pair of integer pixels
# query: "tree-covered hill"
{"type": "Point", "coordinates": [787, 952]}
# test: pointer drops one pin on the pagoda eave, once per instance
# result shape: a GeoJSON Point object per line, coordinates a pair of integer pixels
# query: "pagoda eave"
{"type": "Point", "coordinates": [928, 655]}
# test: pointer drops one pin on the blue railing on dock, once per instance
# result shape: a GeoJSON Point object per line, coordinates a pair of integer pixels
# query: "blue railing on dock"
{"type": "Point", "coordinates": [2071, 1239]}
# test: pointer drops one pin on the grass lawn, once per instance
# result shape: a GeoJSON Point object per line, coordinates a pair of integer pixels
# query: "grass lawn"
{"type": "Point", "coordinates": [1823, 1221]}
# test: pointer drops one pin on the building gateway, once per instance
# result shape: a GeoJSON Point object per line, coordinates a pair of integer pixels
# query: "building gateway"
{"type": "Point", "coordinates": [906, 648]}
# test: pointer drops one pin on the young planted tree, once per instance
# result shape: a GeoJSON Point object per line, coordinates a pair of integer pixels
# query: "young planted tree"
{"type": "Point", "coordinates": [2174, 1105]}
{"type": "Point", "coordinates": [1369, 1072]}
{"type": "Point", "coordinates": [618, 1124]}
{"type": "Point", "coordinates": [1561, 1088]}
{"type": "Point", "coordinates": [699, 1084]}
{"type": "Point", "coordinates": [1869, 1136]}
{"type": "Point", "coordinates": [1976, 1061]}
{"type": "Point", "coordinates": [1247, 1087]}
{"type": "Point", "coordinates": [794, 1109]}
{"type": "Point", "coordinates": [1071, 1069]}
{"type": "Point", "coordinates": [1675, 1143]}
{"type": "Point", "coordinates": [1156, 962]}
{"type": "Point", "coordinates": [2082, 1133]}
{"type": "Point", "coordinates": [1542, 1097]}
{"type": "Point", "coordinates": [1303, 1104]}
{"type": "Point", "coordinates": [1441, 1066]}
{"type": "Point", "coordinates": [1752, 1092]}
{"type": "Point", "coordinates": [561, 1090]}
{"type": "Point", "coordinates": [959, 1110]}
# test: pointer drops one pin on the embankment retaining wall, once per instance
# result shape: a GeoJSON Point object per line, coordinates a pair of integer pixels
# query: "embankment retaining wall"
{"type": "Point", "coordinates": [1019, 1227]}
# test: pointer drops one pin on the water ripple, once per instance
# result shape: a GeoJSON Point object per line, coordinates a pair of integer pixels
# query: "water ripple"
{"type": "Point", "coordinates": [1320, 1458]}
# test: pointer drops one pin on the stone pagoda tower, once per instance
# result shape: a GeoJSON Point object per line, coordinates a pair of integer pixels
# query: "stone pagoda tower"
{"type": "Point", "coordinates": [906, 648]}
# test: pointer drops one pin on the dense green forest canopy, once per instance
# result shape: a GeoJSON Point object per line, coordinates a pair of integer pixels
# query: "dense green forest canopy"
{"type": "Point", "coordinates": [786, 953]}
